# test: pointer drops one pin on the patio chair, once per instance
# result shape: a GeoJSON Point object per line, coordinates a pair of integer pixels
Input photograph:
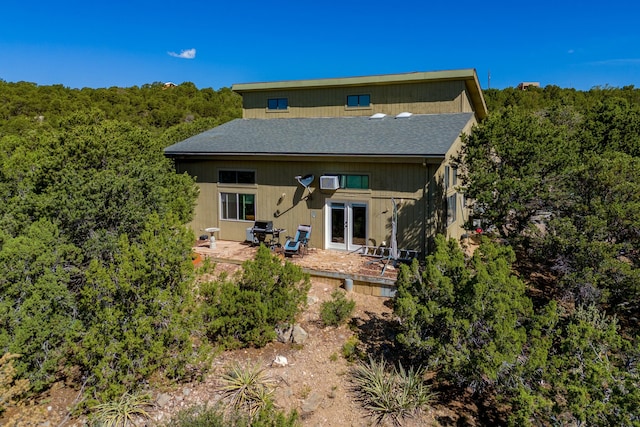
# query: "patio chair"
{"type": "Point", "coordinates": [298, 244]}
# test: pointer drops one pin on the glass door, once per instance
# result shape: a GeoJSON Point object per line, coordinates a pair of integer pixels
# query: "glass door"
{"type": "Point", "coordinates": [337, 226]}
{"type": "Point", "coordinates": [347, 225]}
{"type": "Point", "coordinates": [358, 228]}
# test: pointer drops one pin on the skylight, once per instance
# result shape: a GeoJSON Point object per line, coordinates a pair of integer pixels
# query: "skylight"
{"type": "Point", "coordinates": [378, 116]}
{"type": "Point", "coordinates": [403, 115]}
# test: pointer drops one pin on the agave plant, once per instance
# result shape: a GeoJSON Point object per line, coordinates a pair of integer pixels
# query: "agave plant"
{"type": "Point", "coordinates": [390, 393]}
{"type": "Point", "coordinates": [247, 387]}
{"type": "Point", "coordinates": [122, 412]}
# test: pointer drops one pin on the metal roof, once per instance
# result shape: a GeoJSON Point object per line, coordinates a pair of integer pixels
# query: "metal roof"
{"type": "Point", "coordinates": [423, 135]}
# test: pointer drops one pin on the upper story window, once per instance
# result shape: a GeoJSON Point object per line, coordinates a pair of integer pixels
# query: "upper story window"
{"type": "Point", "coordinates": [277, 103]}
{"type": "Point", "coordinates": [236, 177]}
{"type": "Point", "coordinates": [358, 101]}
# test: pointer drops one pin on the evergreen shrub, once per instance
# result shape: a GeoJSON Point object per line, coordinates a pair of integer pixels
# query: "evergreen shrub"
{"type": "Point", "coordinates": [337, 310]}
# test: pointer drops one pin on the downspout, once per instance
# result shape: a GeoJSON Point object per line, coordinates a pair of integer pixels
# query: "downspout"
{"type": "Point", "coordinates": [425, 208]}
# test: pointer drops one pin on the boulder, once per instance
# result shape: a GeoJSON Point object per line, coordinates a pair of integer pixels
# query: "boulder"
{"type": "Point", "coordinates": [299, 335]}
{"type": "Point", "coordinates": [283, 333]}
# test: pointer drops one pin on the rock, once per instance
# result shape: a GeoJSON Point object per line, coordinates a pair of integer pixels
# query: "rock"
{"type": "Point", "coordinates": [284, 333]}
{"type": "Point", "coordinates": [288, 392]}
{"type": "Point", "coordinates": [299, 335]}
{"type": "Point", "coordinates": [163, 399]}
{"type": "Point", "coordinates": [280, 361]}
{"type": "Point", "coordinates": [311, 403]}
{"type": "Point", "coordinates": [312, 299]}
{"type": "Point", "coordinates": [186, 391]}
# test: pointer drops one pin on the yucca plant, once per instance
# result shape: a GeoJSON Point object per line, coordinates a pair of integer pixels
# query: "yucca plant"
{"type": "Point", "coordinates": [247, 388]}
{"type": "Point", "coordinates": [389, 393]}
{"type": "Point", "coordinates": [122, 412]}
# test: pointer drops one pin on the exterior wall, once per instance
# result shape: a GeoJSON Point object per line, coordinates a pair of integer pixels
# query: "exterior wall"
{"type": "Point", "coordinates": [392, 99]}
{"type": "Point", "coordinates": [456, 229]}
{"type": "Point", "coordinates": [281, 199]}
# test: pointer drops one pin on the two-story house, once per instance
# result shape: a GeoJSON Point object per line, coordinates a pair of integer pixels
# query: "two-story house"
{"type": "Point", "coordinates": [338, 154]}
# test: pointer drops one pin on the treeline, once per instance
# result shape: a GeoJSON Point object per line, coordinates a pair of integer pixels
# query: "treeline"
{"type": "Point", "coordinates": [95, 266]}
{"type": "Point", "coordinates": [153, 107]}
{"type": "Point", "coordinates": [543, 318]}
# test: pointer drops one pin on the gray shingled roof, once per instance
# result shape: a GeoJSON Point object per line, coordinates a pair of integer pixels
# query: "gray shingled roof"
{"type": "Point", "coordinates": [418, 135]}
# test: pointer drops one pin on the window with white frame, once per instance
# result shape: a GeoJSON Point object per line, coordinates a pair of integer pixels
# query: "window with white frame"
{"type": "Point", "coordinates": [238, 206]}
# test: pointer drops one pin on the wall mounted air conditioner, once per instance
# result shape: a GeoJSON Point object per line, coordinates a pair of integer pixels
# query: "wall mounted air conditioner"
{"type": "Point", "coordinates": [329, 182]}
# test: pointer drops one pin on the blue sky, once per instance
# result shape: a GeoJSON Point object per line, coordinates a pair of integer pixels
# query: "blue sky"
{"type": "Point", "coordinates": [216, 44]}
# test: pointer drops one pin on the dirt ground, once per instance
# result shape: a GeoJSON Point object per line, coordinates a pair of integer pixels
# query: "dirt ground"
{"type": "Point", "coordinates": [315, 380]}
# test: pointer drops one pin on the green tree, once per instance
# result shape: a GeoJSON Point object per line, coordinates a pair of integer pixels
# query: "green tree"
{"type": "Point", "coordinates": [464, 318]}
{"type": "Point", "coordinates": [514, 164]}
{"type": "Point", "coordinates": [97, 214]}
{"type": "Point", "coordinates": [135, 310]}
{"type": "Point", "coordinates": [561, 184]}
{"type": "Point", "coordinates": [267, 294]}
{"type": "Point", "coordinates": [585, 374]}
{"type": "Point", "coordinates": [594, 239]}
{"type": "Point", "coordinates": [38, 313]}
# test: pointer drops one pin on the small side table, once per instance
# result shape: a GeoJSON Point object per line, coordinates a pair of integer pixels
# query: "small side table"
{"type": "Point", "coordinates": [212, 238]}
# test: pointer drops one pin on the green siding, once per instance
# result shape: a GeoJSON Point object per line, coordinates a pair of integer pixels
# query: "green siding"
{"type": "Point", "coordinates": [281, 199]}
{"type": "Point", "coordinates": [417, 98]}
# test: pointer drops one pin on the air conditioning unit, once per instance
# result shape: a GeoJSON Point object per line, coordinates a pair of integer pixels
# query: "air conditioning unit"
{"type": "Point", "coordinates": [329, 182]}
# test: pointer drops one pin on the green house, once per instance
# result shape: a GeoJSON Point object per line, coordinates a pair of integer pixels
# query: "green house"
{"type": "Point", "coordinates": [340, 155]}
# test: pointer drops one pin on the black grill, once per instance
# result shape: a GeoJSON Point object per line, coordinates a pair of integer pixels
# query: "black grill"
{"type": "Point", "coordinates": [260, 230]}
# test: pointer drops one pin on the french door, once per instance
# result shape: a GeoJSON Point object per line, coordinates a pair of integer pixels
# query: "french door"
{"type": "Point", "coordinates": [347, 225]}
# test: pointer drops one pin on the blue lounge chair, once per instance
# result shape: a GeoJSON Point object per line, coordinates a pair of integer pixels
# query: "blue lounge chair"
{"type": "Point", "coordinates": [298, 244]}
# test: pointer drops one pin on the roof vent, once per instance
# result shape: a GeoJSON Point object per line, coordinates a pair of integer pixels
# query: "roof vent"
{"type": "Point", "coordinates": [404, 115]}
{"type": "Point", "coordinates": [378, 116]}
